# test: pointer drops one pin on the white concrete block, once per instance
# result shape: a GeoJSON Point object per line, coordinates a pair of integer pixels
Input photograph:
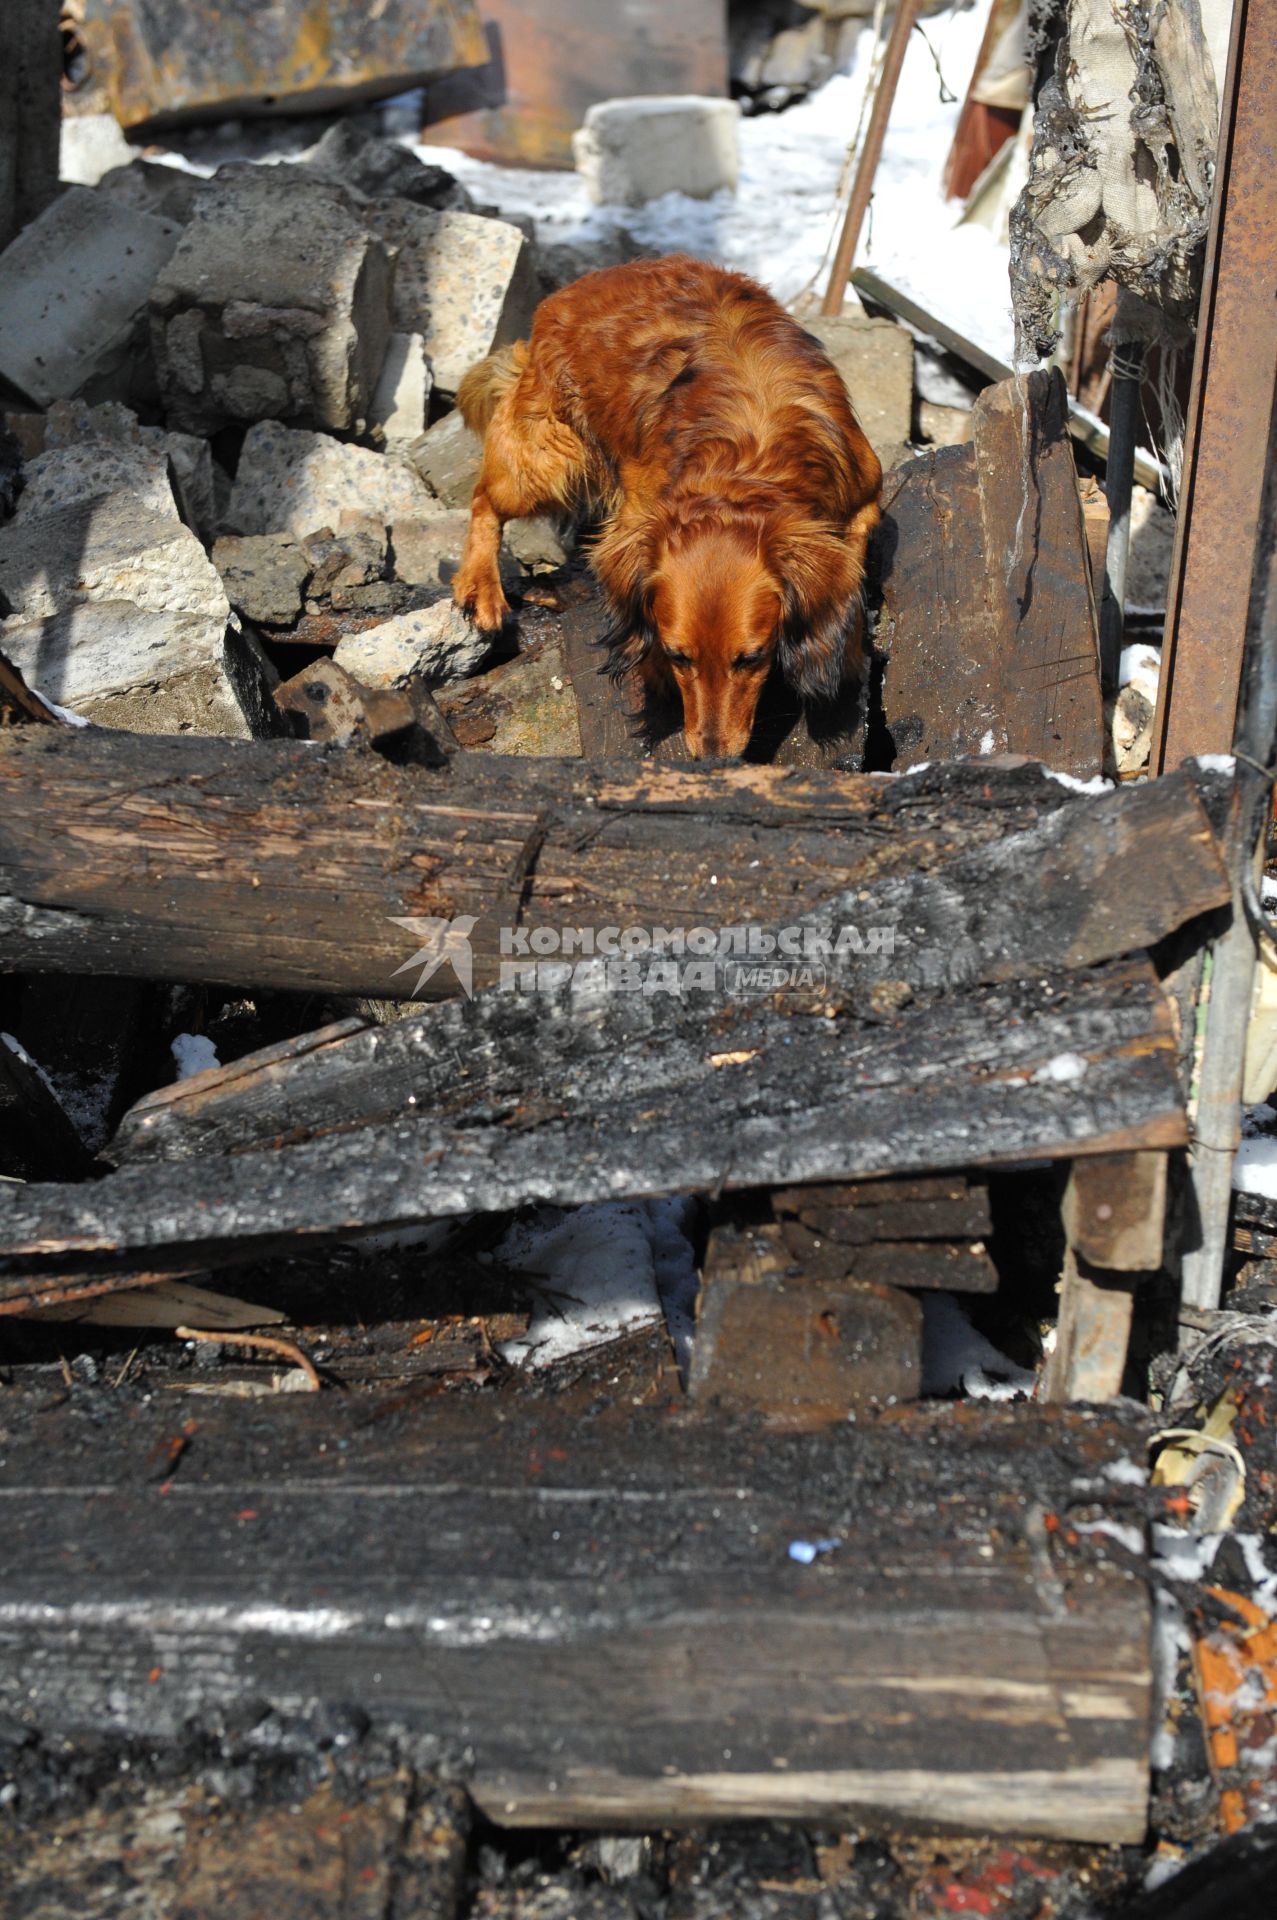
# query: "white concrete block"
{"type": "Point", "coordinates": [290, 481]}
{"type": "Point", "coordinates": [436, 643]}
{"type": "Point", "coordinates": [398, 412]}
{"type": "Point", "coordinates": [632, 151]}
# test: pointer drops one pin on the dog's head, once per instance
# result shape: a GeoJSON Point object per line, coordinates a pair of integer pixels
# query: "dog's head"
{"type": "Point", "coordinates": [717, 611]}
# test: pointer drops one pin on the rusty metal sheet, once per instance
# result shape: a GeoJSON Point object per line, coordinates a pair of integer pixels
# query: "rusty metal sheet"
{"type": "Point", "coordinates": [165, 60]}
{"type": "Point", "coordinates": [1229, 413]}
{"type": "Point", "coordinates": [548, 60]}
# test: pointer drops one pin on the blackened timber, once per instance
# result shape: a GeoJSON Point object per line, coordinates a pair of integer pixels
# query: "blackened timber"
{"type": "Point", "coordinates": [589, 1094]}
{"type": "Point", "coordinates": [279, 864]}
{"type": "Point", "coordinates": [604, 1611]}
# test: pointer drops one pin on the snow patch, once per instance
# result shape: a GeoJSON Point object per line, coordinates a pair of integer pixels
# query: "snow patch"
{"type": "Point", "coordinates": [1098, 784]}
{"type": "Point", "coordinates": [958, 1358]}
{"type": "Point", "coordinates": [193, 1053]}
{"type": "Point", "coordinates": [1063, 1068]}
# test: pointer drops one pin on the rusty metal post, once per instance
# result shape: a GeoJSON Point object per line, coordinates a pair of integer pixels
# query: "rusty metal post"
{"type": "Point", "coordinates": [1227, 431]}
{"type": "Point", "coordinates": [1217, 1124]}
{"type": "Point", "coordinates": [870, 154]}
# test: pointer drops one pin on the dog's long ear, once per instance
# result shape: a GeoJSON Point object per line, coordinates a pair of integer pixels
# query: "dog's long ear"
{"type": "Point", "coordinates": [624, 559]}
{"type": "Point", "coordinates": [820, 576]}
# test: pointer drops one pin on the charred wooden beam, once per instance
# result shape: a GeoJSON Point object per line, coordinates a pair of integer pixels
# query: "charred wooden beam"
{"type": "Point", "coordinates": [988, 620]}
{"type": "Point", "coordinates": [588, 1094]}
{"type": "Point", "coordinates": [993, 1672]}
{"type": "Point", "coordinates": [278, 864]}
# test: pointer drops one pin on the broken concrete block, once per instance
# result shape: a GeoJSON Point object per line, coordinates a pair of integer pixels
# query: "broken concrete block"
{"type": "Point", "coordinates": [62, 476]}
{"type": "Point", "coordinates": [73, 291]}
{"type": "Point", "coordinates": [73, 423]}
{"type": "Point", "coordinates": [265, 576]}
{"type": "Point", "coordinates": [397, 415]}
{"type": "Point", "coordinates": [632, 151]}
{"type": "Point", "coordinates": [274, 305]}
{"type": "Point", "coordinates": [381, 169]}
{"type": "Point", "coordinates": [467, 285]}
{"type": "Point", "coordinates": [448, 457]}
{"type": "Point", "coordinates": [875, 359]}
{"type": "Point", "coordinates": [149, 186]}
{"type": "Point", "coordinates": [428, 552]}
{"type": "Point", "coordinates": [289, 481]}
{"type": "Point", "coordinates": [538, 544]}
{"type": "Point", "coordinates": [434, 643]}
{"type": "Point", "coordinates": [116, 612]}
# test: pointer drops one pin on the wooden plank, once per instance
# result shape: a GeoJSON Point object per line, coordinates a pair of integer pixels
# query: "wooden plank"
{"type": "Point", "coordinates": [799, 1347]}
{"type": "Point", "coordinates": [1115, 1211]}
{"type": "Point", "coordinates": [573, 1096]}
{"type": "Point", "coordinates": [1084, 427]}
{"type": "Point", "coordinates": [286, 865]}
{"type": "Point", "coordinates": [947, 1265]}
{"type": "Point", "coordinates": [942, 1207]}
{"type": "Point", "coordinates": [988, 621]}
{"type": "Point", "coordinates": [1093, 1334]}
{"type": "Point", "coordinates": [990, 1673]}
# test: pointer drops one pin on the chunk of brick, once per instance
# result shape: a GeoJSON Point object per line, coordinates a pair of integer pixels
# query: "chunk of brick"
{"type": "Point", "coordinates": [73, 294]}
{"type": "Point", "coordinates": [116, 611]}
{"type": "Point", "coordinates": [434, 643]}
{"type": "Point", "coordinates": [632, 151]}
{"type": "Point", "coordinates": [291, 481]}
{"type": "Point", "coordinates": [275, 305]}
{"type": "Point", "coordinates": [467, 285]}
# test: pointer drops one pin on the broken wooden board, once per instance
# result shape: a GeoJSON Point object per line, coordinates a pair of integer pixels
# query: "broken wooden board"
{"type": "Point", "coordinates": [286, 865]}
{"type": "Point", "coordinates": [988, 619]}
{"type": "Point", "coordinates": [587, 1094]}
{"type": "Point", "coordinates": [605, 1611]}
{"type": "Point", "coordinates": [918, 1233]}
{"type": "Point", "coordinates": [1085, 428]}
{"type": "Point", "coordinates": [774, 1337]}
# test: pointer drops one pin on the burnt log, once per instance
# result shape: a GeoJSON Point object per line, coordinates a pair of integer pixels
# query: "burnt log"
{"type": "Point", "coordinates": [586, 1093]}
{"type": "Point", "coordinates": [280, 864]}
{"type": "Point", "coordinates": [605, 1611]}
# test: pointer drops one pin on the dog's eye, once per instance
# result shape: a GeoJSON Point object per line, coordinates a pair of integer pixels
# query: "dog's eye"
{"type": "Point", "coordinates": [746, 662]}
{"type": "Point", "coordinates": [678, 659]}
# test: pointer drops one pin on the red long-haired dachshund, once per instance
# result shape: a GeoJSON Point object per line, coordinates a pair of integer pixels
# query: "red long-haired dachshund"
{"type": "Point", "coordinates": [737, 492]}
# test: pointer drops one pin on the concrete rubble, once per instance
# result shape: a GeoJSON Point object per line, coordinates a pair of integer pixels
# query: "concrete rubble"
{"type": "Point", "coordinates": [73, 293]}
{"type": "Point", "coordinates": [465, 283]}
{"type": "Point", "coordinates": [433, 643]}
{"type": "Point", "coordinates": [273, 306]}
{"type": "Point", "coordinates": [116, 612]}
{"type": "Point", "coordinates": [291, 481]}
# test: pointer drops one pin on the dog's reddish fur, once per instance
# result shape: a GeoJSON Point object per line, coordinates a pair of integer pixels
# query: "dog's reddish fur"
{"type": "Point", "coordinates": [737, 491]}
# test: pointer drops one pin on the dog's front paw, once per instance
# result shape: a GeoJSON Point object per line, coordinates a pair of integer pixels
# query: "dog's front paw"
{"type": "Point", "coordinates": [482, 600]}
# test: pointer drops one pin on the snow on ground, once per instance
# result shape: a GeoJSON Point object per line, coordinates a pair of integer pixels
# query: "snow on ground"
{"type": "Point", "coordinates": [956, 1357]}
{"type": "Point", "coordinates": [193, 1053]}
{"type": "Point", "coordinates": [601, 1271]}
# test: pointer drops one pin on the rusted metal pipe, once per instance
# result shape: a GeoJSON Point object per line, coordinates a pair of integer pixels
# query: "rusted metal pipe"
{"type": "Point", "coordinates": [870, 154]}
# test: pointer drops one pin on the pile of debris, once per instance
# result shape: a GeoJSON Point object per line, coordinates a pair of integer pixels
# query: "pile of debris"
{"type": "Point", "coordinates": [297, 334]}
